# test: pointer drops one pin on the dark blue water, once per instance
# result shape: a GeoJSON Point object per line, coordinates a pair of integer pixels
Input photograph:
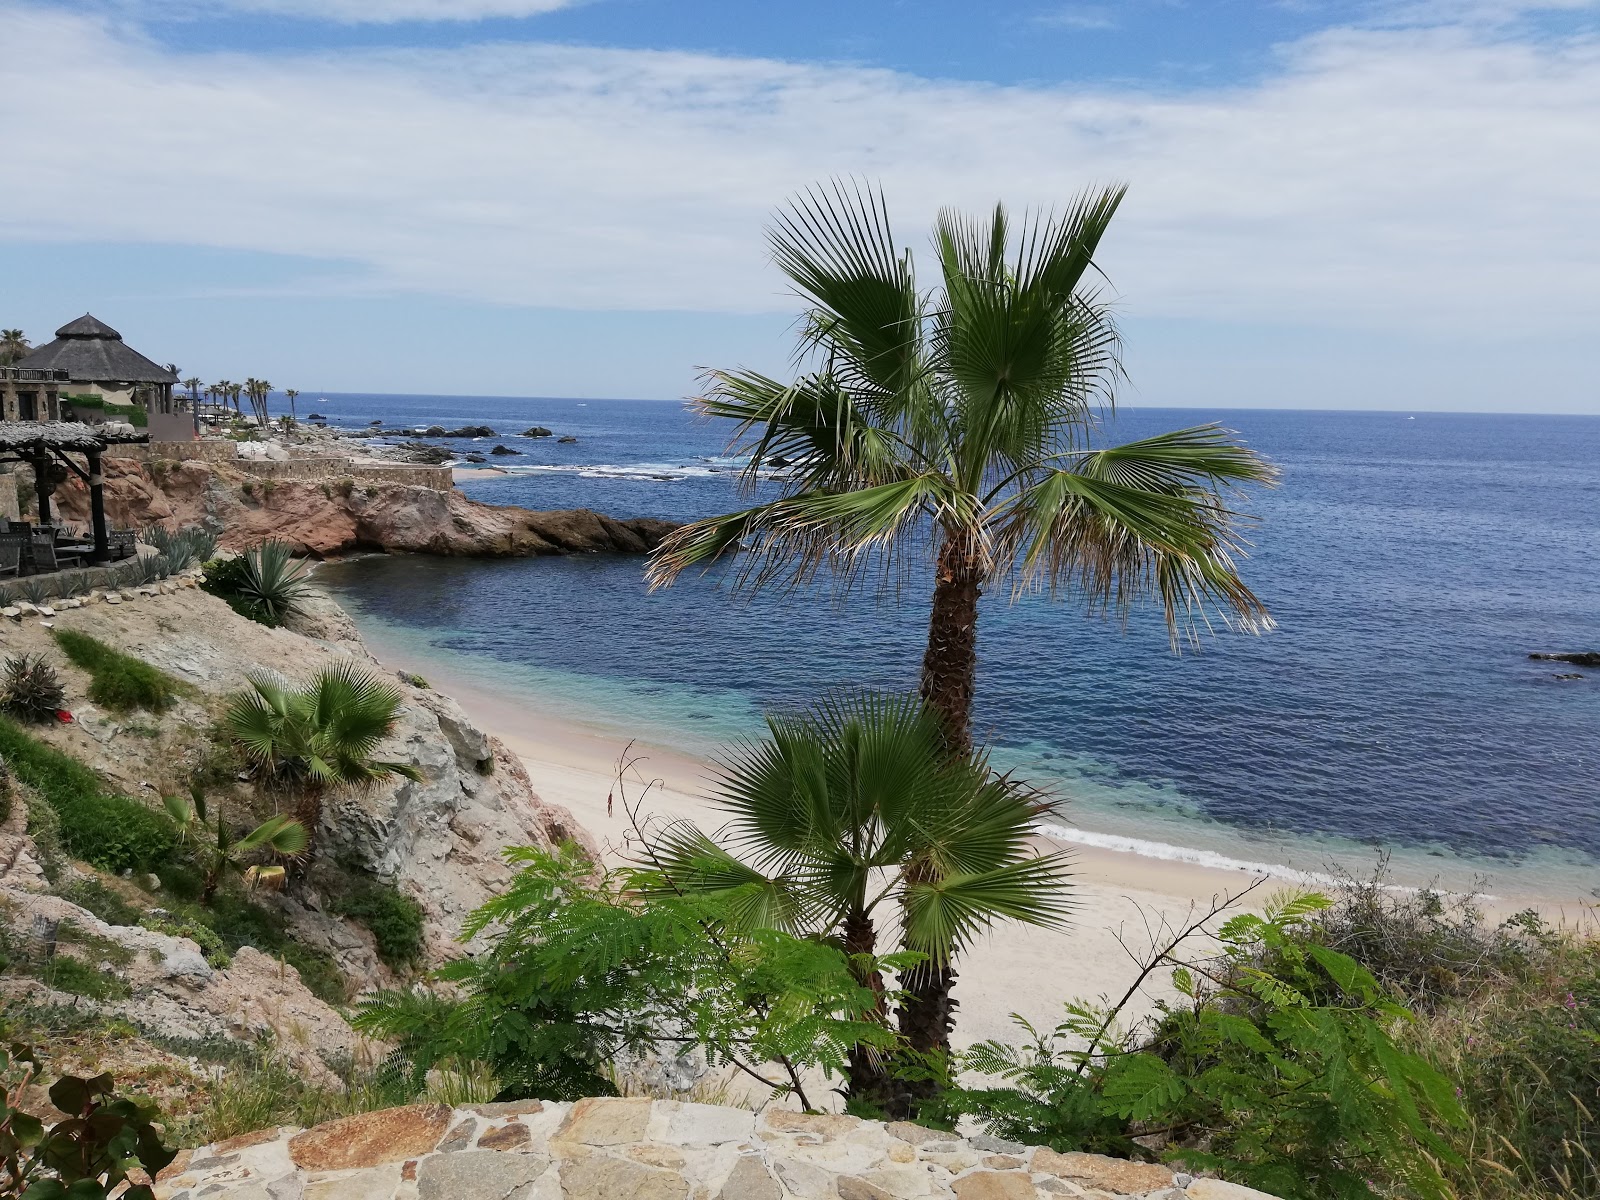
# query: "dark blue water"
{"type": "Point", "coordinates": [1411, 564]}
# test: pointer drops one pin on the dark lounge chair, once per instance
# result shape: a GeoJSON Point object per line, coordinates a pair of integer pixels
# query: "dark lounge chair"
{"type": "Point", "coordinates": [47, 556]}
{"type": "Point", "coordinates": [11, 547]}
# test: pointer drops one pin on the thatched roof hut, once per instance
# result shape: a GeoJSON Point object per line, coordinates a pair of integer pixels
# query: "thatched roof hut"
{"type": "Point", "coordinates": [90, 351]}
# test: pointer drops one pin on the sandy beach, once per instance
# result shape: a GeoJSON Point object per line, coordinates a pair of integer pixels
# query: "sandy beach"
{"type": "Point", "coordinates": [1016, 969]}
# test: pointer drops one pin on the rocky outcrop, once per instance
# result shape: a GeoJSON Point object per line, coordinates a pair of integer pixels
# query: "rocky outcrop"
{"type": "Point", "coordinates": [337, 517]}
{"type": "Point", "coordinates": [651, 1150]}
{"type": "Point", "coordinates": [1578, 658]}
{"type": "Point", "coordinates": [439, 839]}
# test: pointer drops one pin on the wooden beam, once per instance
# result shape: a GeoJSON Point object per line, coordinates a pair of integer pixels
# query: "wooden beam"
{"type": "Point", "coordinates": [97, 509]}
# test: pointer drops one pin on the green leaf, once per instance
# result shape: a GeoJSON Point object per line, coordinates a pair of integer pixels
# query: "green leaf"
{"type": "Point", "coordinates": [1141, 1087]}
{"type": "Point", "coordinates": [71, 1094]}
{"type": "Point", "coordinates": [26, 1129]}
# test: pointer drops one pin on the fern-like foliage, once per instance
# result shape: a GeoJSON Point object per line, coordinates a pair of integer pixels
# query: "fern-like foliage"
{"type": "Point", "coordinates": [581, 968]}
{"type": "Point", "coordinates": [1277, 1070]}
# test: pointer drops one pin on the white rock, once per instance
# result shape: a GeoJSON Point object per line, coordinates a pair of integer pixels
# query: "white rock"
{"type": "Point", "coordinates": [12, 611]}
{"type": "Point", "coordinates": [26, 609]}
{"type": "Point", "coordinates": [46, 610]}
{"type": "Point", "coordinates": [113, 598]}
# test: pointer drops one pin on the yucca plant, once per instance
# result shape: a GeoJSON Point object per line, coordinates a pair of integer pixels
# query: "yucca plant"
{"type": "Point", "coordinates": [31, 689]}
{"type": "Point", "coordinates": [853, 815]}
{"type": "Point", "coordinates": [222, 853]}
{"type": "Point", "coordinates": [319, 735]}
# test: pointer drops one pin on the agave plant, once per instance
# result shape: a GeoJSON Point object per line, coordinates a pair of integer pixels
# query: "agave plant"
{"type": "Point", "coordinates": [37, 589]}
{"type": "Point", "coordinates": [319, 735]}
{"type": "Point", "coordinates": [221, 852]}
{"type": "Point", "coordinates": [30, 688]}
{"type": "Point", "coordinates": [265, 584]}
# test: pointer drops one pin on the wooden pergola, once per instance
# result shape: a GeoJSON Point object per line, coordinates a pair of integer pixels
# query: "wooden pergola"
{"type": "Point", "coordinates": [41, 443]}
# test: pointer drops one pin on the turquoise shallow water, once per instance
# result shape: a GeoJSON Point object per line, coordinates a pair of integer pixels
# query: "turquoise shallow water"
{"type": "Point", "coordinates": [1412, 563]}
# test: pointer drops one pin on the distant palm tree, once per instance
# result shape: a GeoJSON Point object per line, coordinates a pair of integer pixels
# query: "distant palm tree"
{"type": "Point", "coordinates": [256, 391]}
{"type": "Point", "coordinates": [291, 394]}
{"type": "Point", "coordinates": [193, 385]}
{"type": "Point", "coordinates": [13, 345]}
{"type": "Point", "coordinates": [319, 735]}
{"type": "Point", "coordinates": [852, 816]}
{"type": "Point", "coordinates": [957, 424]}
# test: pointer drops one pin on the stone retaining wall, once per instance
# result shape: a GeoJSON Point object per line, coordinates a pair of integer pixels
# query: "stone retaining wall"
{"type": "Point", "coordinates": [440, 479]}
{"type": "Point", "coordinates": [651, 1150]}
{"type": "Point", "coordinates": [213, 450]}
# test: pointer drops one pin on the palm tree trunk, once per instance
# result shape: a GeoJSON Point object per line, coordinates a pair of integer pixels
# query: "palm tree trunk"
{"type": "Point", "coordinates": [950, 665]}
{"type": "Point", "coordinates": [868, 1072]}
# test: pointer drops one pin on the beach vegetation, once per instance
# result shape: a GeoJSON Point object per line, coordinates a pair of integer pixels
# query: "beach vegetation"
{"type": "Point", "coordinates": [1278, 1067]}
{"type": "Point", "coordinates": [585, 967]}
{"type": "Point", "coordinates": [395, 920]}
{"type": "Point", "coordinates": [266, 583]}
{"type": "Point", "coordinates": [852, 816]}
{"type": "Point", "coordinates": [957, 423]}
{"type": "Point", "coordinates": [219, 852]}
{"type": "Point", "coordinates": [318, 735]}
{"type": "Point", "coordinates": [30, 688]}
{"type": "Point", "coordinates": [96, 825]}
{"type": "Point", "coordinates": [118, 681]}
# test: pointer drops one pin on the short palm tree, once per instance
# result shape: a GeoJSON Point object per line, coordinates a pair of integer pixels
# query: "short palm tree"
{"type": "Point", "coordinates": [957, 422]}
{"type": "Point", "coordinates": [223, 853]}
{"type": "Point", "coordinates": [13, 345]}
{"type": "Point", "coordinates": [317, 736]}
{"type": "Point", "coordinates": [852, 816]}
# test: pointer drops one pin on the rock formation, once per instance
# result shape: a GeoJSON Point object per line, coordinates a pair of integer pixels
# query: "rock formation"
{"type": "Point", "coordinates": [334, 517]}
{"type": "Point", "coordinates": [609, 1149]}
{"type": "Point", "coordinates": [438, 839]}
{"type": "Point", "coordinates": [1578, 658]}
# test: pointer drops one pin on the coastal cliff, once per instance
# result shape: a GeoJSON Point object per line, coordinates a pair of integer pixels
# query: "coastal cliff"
{"type": "Point", "coordinates": [339, 516]}
{"type": "Point", "coordinates": [434, 841]}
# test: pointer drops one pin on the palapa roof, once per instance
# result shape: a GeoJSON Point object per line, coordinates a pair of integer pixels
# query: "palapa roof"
{"type": "Point", "coordinates": [90, 351]}
{"type": "Point", "coordinates": [60, 435]}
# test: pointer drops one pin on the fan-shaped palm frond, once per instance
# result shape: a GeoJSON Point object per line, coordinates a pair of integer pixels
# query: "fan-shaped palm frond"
{"type": "Point", "coordinates": [318, 735]}
{"type": "Point", "coordinates": [959, 422]}
{"type": "Point", "coordinates": [852, 815]}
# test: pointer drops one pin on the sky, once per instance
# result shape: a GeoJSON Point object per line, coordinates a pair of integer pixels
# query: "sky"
{"type": "Point", "coordinates": [1389, 204]}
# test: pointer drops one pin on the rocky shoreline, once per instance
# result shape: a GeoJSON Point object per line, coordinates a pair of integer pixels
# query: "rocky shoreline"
{"type": "Point", "coordinates": [337, 516]}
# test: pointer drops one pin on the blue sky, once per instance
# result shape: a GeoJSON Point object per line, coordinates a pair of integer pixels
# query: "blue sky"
{"type": "Point", "coordinates": [1386, 204]}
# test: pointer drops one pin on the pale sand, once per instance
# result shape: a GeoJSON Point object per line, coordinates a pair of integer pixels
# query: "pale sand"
{"type": "Point", "coordinates": [461, 473]}
{"type": "Point", "coordinates": [1016, 969]}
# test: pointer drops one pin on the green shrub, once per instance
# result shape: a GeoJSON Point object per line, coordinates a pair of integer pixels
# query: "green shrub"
{"type": "Point", "coordinates": [65, 973]}
{"type": "Point", "coordinates": [209, 940]}
{"type": "Point", "coordinates": [119, 681]}
{"type": "Point", "coordinates": [240, 922]}
{"type": "Point", "coordinates": [92, 893]}
{"type": "Point", "coordinates": [103, 829]}
{"type": "Point", "coordinates": [1277, 1069]}
{"type": "Point", "coordinates": [395, 919]}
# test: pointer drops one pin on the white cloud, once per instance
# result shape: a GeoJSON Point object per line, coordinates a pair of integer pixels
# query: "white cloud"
{"type": "Point", "coordinates": [1076, 17]}
{"type": "Point", "coordinates": [1410, 180]}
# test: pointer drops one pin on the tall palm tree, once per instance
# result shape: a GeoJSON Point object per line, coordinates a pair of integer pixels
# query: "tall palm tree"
{"type": "Point", "coordinates": [292, 396]}
{"type": "Point", "coordinates": [318, 736]}
{"type": "Point", "coordinates": [852, 816]}
{"type": "Point", "coordinates": [193, 386]}
{"type": "Point", "coordinates": [13, 345]}
{"type": "Point", "coordinates": [958, 422]}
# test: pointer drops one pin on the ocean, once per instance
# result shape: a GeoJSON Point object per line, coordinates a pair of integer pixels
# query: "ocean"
{"type": "Point", "coordinates": [1411, 561]}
